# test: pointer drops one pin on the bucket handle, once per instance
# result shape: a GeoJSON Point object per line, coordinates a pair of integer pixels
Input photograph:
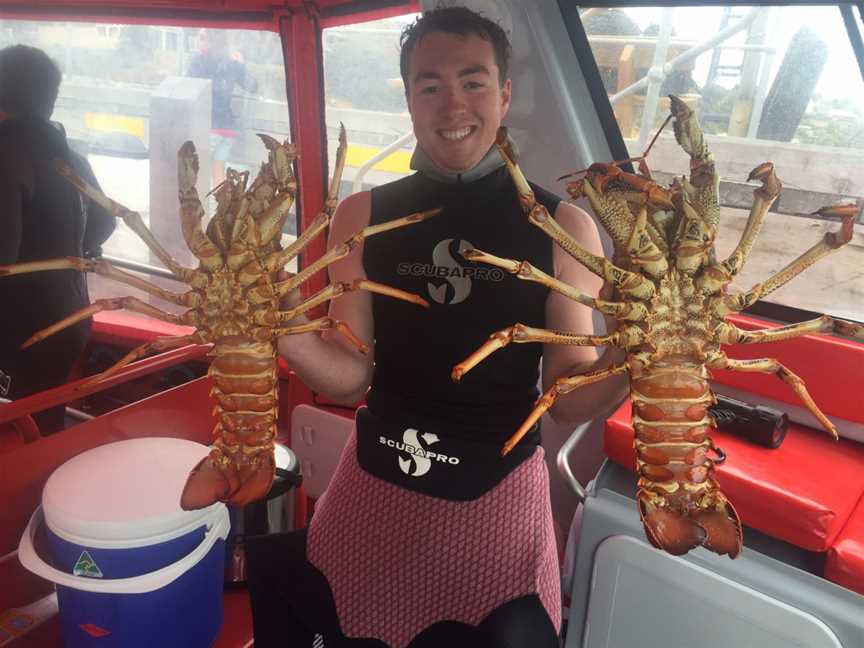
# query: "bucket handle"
{"type": "Point", "coordinates": [133, 585]}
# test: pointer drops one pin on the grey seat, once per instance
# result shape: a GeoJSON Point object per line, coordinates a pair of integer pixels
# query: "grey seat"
{"type": "Point", "coordinates": [626, 593]}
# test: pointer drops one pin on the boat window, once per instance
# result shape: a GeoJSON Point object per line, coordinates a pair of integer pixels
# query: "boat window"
{"type": "Point", "coordinates": [132, 94]}
{"type": "Point", "coordinates": [778, 84]}
{"type": "Point", "coordinates": [364, 91]}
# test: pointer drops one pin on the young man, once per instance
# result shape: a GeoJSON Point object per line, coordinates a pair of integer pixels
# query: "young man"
{"type": "Point", "coordinates": [426, 536]}
{"type": "Point", "coordinates": [42, 216]}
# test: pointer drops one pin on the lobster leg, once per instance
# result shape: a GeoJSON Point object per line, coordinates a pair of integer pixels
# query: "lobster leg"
{"type": "Point", "coordinates": [191, 210]}
{"type": "Point", "coordinates": [612, 211]}
{"type": "Point", "coordinates": [629, 283]}
{"type": "Point", "coordinates": [343, 250]}
{"type": "Point", "coordinates": [132, 219]}
{"type": "Point", "coordinates": [105, 269]}
{"type": "Point", "coordinates": [229, 197]}
{"type": "Point", "coordinates": [769, 365]}
{"type": "Point", "coordinates": [641, 248]}
{"type": "Point", "coordinates": [276, 260]}
{"type": "Point", "coordinates": [703, 188]}
{"type": "Point", "coordinates": [332, 292]}
{"type": "Point", "coordinates": [520, 334]}
{"type": "Point", "coordinates": [322, 324]}
{"type": "Point", "coordinates": [632, 311]}
{"type": "Point", "coordinates": [336, 180]}
{"type": "Point", "coordinates": [830, 242]}
{"type": "Point", "coordinates": [695, 241]}
{"type": "Point", "coordinates": [116, 303]}
{"type": "Point", "coordinates": [335, 290]}
{"type": "Point", "coordinates": [629, 231]}
{"type": "Point", "coordinates": [561, 386]}
{"type": "Point", "coordinates": [159, 344]}
{"type": "Point", "coordinates": [714, 277]}
{"type": "Point", "coordinates": [730, 334]}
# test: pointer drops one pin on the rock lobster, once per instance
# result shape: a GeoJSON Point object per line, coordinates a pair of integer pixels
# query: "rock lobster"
{"type": "Point", "coordinates": [234, 303]}
{"type": "Point", "coordinates": [670, 303]}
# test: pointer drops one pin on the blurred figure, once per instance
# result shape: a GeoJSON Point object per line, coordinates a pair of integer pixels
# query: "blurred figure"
{"type": "Point", "coordinates": [225, 71]}
{"type": "Point", "coordinates": [41, 217]}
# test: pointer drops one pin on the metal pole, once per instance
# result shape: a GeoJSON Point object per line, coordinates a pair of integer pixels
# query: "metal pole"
{"type": "Point", "coordinates": [691, 53]}
{"type": "Point", "coordinates": [563, 461]}
{"type": "Point", "coordinates": [375, 159]}
{"type": "Point", "coordinates": [137, 266]}
{"type": "Point", "coordinates": [655, 78]}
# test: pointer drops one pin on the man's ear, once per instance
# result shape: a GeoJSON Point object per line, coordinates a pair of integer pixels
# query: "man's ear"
{"type": "Point", "coordinates": [505, 98]}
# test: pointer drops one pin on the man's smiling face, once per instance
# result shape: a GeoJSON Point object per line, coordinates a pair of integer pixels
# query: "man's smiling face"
{"type": "Point", "coordinates": [455, 98]}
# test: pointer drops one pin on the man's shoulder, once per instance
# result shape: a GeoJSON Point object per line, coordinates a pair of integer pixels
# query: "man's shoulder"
{"type": "Point", "coordinates": [399, 197]}
{"type": "Point", "coordinates": [397, 186]}
{"type": "Point", "coordinates": [352, 214]}
{"type": "Point", "coordinates": [24, 142]}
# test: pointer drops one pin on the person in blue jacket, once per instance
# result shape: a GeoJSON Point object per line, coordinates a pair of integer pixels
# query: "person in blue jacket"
{"type": "Point", "coordinates": [225, 71]}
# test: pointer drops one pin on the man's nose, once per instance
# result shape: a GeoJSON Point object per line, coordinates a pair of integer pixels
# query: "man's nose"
{"type": "Point", "coordinates": [454, 101]}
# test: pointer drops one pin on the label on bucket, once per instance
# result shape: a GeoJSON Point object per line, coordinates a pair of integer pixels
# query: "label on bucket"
{"type": "Point", "coordinates": [86, 566]}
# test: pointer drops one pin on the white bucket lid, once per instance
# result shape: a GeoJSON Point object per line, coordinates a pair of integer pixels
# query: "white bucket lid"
{"type": "Point", "coordinates": [125, 494]}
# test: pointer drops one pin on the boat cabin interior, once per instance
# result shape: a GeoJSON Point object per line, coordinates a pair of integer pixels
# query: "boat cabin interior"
{"type": "Point", "coordinates": [780, 82]}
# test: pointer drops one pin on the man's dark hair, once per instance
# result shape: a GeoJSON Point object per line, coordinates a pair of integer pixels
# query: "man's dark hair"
{"type": "Point", "coordinates": [29, 82]}
{"type": "Point", "coordinates": [461, 21]}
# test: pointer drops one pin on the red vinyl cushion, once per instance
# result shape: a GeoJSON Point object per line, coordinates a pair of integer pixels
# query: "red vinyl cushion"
{"type": "Point", "coordinates": [828, 365]}
{"type": "Point", "coordinates": [845, 563]}
{"type": "Point", "coordinates": [124, 329]}
{"type": "Point", "coordinates": [803, 492]}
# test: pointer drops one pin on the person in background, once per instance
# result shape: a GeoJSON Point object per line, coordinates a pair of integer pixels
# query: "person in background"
{"type": "Point", "coordinates": [42, 216]}
{"type": "Point", "coordinates": [225, 71]}
{"type": "Point", "coordinates": [426, 536]}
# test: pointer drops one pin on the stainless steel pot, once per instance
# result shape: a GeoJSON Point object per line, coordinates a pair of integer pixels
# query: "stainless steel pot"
{"type": "Point", "coordinates": [273, 514]}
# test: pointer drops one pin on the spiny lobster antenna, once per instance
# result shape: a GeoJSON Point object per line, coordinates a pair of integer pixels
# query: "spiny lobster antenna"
{"type": "Point", "coordinates": [643, 167]}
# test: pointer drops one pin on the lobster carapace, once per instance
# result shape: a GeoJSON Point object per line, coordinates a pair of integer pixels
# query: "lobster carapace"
{"type": "Point", "coordinates": [670, 304]}
{"type": "Point", "coordinates": [234, 304]}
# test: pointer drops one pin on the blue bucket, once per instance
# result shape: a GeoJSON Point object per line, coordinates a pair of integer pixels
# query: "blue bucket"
{"type": "Point", "coordinates": [133, 570]}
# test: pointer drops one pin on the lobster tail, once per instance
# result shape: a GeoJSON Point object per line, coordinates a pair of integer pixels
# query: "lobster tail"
{"type": "Point", "coordinates": [723, 528]}
{"type": "Point", "coordinates": [240, 466]}
{"type": "Point", "coordinates": [205, 485]}
{"type": "Point", "coordinates": [668, 530]}
{"type": "Point", "coordinates": [677, 532]}
{"type": "Point", "coordinates": [236, 480]}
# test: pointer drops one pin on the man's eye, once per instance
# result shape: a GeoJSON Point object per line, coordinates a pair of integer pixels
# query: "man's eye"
{"type": "Point", "coordinates": [428, 90]}
{"type": "Point", "coordinates": [473, 85]}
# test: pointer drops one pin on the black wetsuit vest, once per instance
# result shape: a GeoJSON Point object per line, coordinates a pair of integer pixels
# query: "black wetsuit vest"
{"type": "Point", "coordinates": [416, 348]}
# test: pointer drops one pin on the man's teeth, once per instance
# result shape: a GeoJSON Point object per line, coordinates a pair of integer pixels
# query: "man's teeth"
{"type": "Point", "coordinates": [456, 134]}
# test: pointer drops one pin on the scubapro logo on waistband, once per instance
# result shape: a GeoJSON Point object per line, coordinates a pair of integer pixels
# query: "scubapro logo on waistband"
{"type": "Point", "coordinates": [420, 460]}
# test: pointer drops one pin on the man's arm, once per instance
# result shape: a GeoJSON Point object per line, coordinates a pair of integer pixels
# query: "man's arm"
{"type": "Point", "coordinates": [329, 364]}
{"type": "Point", "coordinates": [564, 314]}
